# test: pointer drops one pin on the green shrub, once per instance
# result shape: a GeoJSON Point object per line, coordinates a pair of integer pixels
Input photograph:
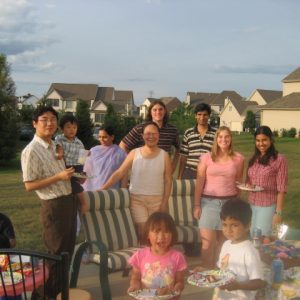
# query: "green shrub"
{"type": "Point", "coordinates": [275, 133]}
{"type": "Point", "coordinates": [292, 132]}
{"type": "Point", "coordinates": [284, 132]}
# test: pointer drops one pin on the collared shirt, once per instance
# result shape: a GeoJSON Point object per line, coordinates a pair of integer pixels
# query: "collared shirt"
{"type": "Point", "coordinates": [168, 137]}
{"type": "Point", "coordinates": [39, 162]}
{"type": "Point", "coordinates": [71, 149]}
{"type": "Point", "coordinates": [193, 145]}
{"type": "Point", "coordinates": [272, 177]}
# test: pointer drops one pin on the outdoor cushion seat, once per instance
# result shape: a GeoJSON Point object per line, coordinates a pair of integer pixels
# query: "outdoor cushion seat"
{"type": "Point", "coordinates": [109, 220]}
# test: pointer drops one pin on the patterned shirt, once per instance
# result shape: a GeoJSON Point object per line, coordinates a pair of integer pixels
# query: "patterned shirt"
{"type": "Point", "coordinates": [193, 145]}
{"type": "Point", "coordinates": [168, 137]}
{"type": "Point", "coordinates": [71, 149]}
{"type": "Point", "coordinates": [272, 177]}
{"type": "Point", "coordinates": [39, 162]}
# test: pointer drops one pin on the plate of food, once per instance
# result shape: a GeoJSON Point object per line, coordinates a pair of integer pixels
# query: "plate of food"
{"type": "Point", "coordinates": [211, 278]}
{"type": "Point", "coordinates": [82, 175]}
{"type": "Point", "coordinates": [249, 188]}
{"type": "Point", "coordinates": [7, 278]}
{"type": "Point", "coordinates": [153, 294]}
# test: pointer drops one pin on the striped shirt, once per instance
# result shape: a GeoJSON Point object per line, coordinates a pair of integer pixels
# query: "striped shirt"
{"type": "Point", "coordinates": [71, 149]}
{"type": "Point", "coordinates": [272, 177]}
{"type": "Point", "coordinates": [168, 137]}
{"type": "Point", "coordinates": [193, 145]}
{"type": "Point", "coordinates": [39, 162]}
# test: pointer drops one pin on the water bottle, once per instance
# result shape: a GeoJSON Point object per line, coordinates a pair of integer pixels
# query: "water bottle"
{"type": "Point", "coordinates": [256, 239]}
{"type": "Point", "coordinates": [277, 273]}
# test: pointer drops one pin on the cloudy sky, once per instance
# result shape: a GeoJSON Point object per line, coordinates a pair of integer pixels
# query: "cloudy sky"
{"type": "Point", "coordinates": [153, 47]}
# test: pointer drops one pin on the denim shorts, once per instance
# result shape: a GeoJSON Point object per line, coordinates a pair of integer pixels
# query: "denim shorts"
{"type": "Point", "coordinates": [210, 213]}
{"type": "Point", "coordinates": [262, 217]}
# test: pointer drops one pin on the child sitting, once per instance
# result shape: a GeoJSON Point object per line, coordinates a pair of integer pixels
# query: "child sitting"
{"type": "Point", "coordinates": [238, 253]}
{"type": "Point", "coordinates": [158, 266]}
{"type": "Point", "coordinates": [71, 145]}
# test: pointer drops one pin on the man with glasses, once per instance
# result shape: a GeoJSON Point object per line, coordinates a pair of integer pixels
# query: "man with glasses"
{"type": "Point", "coordinates": [48, 176]}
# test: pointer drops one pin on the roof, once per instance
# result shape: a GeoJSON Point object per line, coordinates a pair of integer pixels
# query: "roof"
{"type": "Point", "coordinates": [170, 102]}
{"type": "Point", "coordinates": [242, 105]}
{"type": "Point", "coordinates": [75, 91]}
{"type": "Point", "coordinates": [105, 94]}
{"type": "Point", "coordinates": [288, 102]}
{"type": "Point", "coordinates": [201, 97]}
{"type": "Point", "coordinates": [294, 76]}
{"type": "Point", "coordinates": [124, 96]}
{"type": "Point", "coordinates": [220, 99]}
{"type": "Point", "coordinates": [270, 95]}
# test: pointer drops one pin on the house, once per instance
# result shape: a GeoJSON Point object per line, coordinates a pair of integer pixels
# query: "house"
{"type": "Point", "coordinates": [284, 113]}
{"type": "Point", "coordinates": [64, 97]}
{"type": "Point", "coordinates": [234, 113]}
{"type": "Point", "coordinates": [263, 97]}
{"type": "Point", "coordinates": [171, 103]}
{"type": "Point", "coordinates": [28, 100]}
{"type": "Point", "coordinates": [219, 101]}
{"type": "Point", "coordinates": [194, 98]}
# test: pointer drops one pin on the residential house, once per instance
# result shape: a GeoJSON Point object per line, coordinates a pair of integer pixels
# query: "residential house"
{"type": "Point", "coordinates": [171, 103]}
{"type": "Point", "coordinates": [263, 97]}
{"type": "Point", "coordinates": [194, 98]}
{"type": "Point", "coordinates": [284, 113]}
{"type": "Point", "coordinates": [234, 113]}
{"type": "Point", "coordinates": [28, 100]}
{"type": "Point", "coordinates": [64, 97]}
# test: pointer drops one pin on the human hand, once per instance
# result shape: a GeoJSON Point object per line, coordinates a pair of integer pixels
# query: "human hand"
{"type": "Point", "coordinates": [163, 207]}
{"type": "Point", "coordinates": [197, 212]}
{"type": "Point", "coordinates": [277, 219]}
{"type": "Point", "coordinates": [66, 174]}
{"type": "Point", "coordinates": [199, 269]}
{"type": "Point", "coordinates": [231, 286]}
{"type": "Point", "coordinates": [134, 287]}
{"type": "Point", "coordinates": [59, 152]}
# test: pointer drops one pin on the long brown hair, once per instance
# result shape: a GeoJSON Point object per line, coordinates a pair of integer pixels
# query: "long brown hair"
{"type": "Point", "coordinates": [215, 147]}
{"type": "Point", "coordinates": [149, 115]}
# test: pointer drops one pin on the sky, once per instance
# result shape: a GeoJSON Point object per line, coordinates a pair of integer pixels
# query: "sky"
{"type": "Point", "coordinates": [155, 48]}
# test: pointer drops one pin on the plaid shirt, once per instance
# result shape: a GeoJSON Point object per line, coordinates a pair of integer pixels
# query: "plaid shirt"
{"type": "Point", "coordinates": [71, 149]}
{"type": "Point", "coordinates": [272, 177]}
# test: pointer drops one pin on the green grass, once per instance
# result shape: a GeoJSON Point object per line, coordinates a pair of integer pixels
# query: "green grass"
{"type": "Point", "coordinates": [23, 207]}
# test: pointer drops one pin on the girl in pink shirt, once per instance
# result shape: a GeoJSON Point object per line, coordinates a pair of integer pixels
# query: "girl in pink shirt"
{"type": "Point", "coordinates": [158, 266]}
{"type": "Point", "coordinates": [217, 174]}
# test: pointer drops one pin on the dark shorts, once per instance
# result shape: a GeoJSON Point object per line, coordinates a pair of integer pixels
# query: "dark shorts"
{"type": "Point", "coordinates": [76, 186]}
{"type": "Point", "coordinates": [189, 174]}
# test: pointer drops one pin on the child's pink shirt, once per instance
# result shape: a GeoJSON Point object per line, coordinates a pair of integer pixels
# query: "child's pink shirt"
{"type": "Point", "coordinates": [221, 177]}
{"type": "Point", "coordinates": [157, 271]}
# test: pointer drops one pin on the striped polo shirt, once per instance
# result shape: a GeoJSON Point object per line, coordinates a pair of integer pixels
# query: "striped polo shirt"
{"type": "Point", "coordinates": [168, 137]}
{"type": "Point", "coordinates": [193, 145]}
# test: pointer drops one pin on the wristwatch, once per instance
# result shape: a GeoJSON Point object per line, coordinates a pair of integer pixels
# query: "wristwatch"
{"type": "Point", "coordinates": [279, 213]}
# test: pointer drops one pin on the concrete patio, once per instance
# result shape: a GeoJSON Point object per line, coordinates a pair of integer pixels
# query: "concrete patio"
{"type": "Point", "coordinates": [89, 280]}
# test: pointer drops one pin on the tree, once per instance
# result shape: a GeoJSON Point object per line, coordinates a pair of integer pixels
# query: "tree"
{"type": "Point", "coordinates": [114, 120]}
{"type": "Point", "coordinates": [84, 133]}
{"type": "Point", "coordinates": [183, 117]}
{"type": "Point", "coordinates": [8, 114]}
{"type": "Point", "coordinates": [249, 122]}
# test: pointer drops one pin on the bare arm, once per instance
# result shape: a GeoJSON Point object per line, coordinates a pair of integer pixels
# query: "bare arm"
{"type": "Point", "coordinates": [239, 174]}
{"type": "Point", "coordinates": [200, 181]}
{"type": "Point", "coordinates": [42, 183]}
{"type": "Point", "coordinates": [182, 164]}
{"type": "Point", "coordinates": [167, 183]}
{"type": "Point", "coordinates": [249, 285]}
{"type": "Point", "coordinates": [123, 146]}
{"type": "Point", "coordinates": [124, 181]}
{"type": "Point", "coordinates": [135, 280]}
{"type": "Point", "coordinates": [175, 160]}
{"type": "Point", "coordinates": [179, 281]}
{"type": "Point", "coordinates": [277, 218]}
{"type": "Point", "coordinates": [120, 173]}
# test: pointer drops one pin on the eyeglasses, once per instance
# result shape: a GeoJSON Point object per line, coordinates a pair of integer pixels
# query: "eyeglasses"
{"type": "Point", "coordinates": [103, 138]}
{"type": "Point", "coordinates": [45, 121]}
{"type": "Point", "coordinates": [149, 134]}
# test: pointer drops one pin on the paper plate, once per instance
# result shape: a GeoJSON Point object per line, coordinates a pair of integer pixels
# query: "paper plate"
{"type": "Point", "coordinates": [17, 277]}
{"type": "Point", "coordinates": [211, 278]}
{"type": "Point", "coordinates": [151, 294]}
{"type": "Point", "coordinates": [244, 187]}
{"type": "Point", "coordinates": [83, 176]}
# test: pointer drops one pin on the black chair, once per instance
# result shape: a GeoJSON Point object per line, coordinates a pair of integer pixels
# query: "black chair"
{"type": "Point", "coordinates": [23, 272]}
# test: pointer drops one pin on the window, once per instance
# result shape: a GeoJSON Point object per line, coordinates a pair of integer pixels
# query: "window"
{"type": "Point", "coordinates": [69, 104]}
{"type": "Point", "coordinates": [54, 102]}
{"type": "Point", "coordinates": [99, 118]}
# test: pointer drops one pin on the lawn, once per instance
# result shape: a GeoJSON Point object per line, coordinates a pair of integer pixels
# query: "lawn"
{"type": "Point", "coordinates": [23, 207]}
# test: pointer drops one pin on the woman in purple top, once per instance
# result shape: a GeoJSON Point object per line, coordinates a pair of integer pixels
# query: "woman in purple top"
{"type": "Point", "coordinates": [267, 169]}
{"type": "Point", "coordinates": [104, 160]}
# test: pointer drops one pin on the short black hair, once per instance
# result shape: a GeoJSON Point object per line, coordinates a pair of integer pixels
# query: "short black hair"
{"type": "Point", "coordinates": [40, 110]}
{"type": "Point", "coordinates": [149, 123]}
{"type": "Point", "coordinates": [202, 107]}
{"type": "Point", "coordinates": [237, 209]}
{"type": "Point", "coordinates": [68, 117]}
{"type": "Point", "coordinates": [108, 129]}
{"type": "Point", "coordinates": [155, 220]}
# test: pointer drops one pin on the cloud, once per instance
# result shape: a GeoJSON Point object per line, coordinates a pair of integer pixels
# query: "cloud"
{"type": "Point", "coordinates": [255, 69]}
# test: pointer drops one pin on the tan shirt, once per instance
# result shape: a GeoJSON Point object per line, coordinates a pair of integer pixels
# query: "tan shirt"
{"type": "Point", "coordinates": [39, 162]}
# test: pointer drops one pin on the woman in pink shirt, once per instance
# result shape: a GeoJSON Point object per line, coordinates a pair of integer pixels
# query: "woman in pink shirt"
{"type": "Point", "coordinates": [267, 169]}
{"type": "Point", "coordinates": [217, 174]}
